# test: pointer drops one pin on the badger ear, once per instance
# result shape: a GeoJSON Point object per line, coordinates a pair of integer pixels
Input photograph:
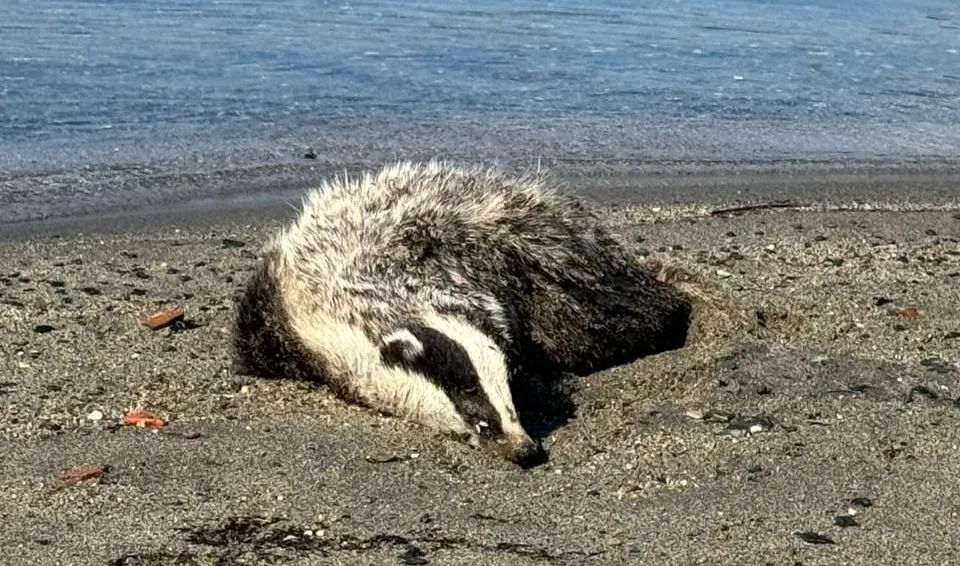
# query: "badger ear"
{"type": "Point", "coordinates": [400, 347]}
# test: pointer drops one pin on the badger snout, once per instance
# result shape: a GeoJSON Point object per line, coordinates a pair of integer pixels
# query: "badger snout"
{"type": "Point", "coordinates": [524, 452]}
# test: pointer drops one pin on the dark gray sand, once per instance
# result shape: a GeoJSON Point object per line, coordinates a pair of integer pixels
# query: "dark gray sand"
{"type": "Point", "coordinates": [813, 419]}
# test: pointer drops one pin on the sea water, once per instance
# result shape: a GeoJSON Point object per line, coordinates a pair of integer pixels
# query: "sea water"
{"type": "Point", "coordinates": [118, 103]}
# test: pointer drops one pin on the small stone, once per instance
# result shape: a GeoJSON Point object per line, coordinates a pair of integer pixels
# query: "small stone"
{"type": "Point", "coordinates": [231, 243]}
{"type": "Point", "coordinates": [412, 555]}
{"type": "Point", "coordinates": [815, 538]}
{"type": "Point", "coordinates": [95, 415]}
{"type": "Point", "coordinates": [383, 459]}
{"type": "Point", "coordinates": [724, 273]}
{"type": "Point", "coordinates": [747, 424]}
{"type": "Point", "coordinates": [923, 391]}
{"type": "Point", "coordinates": [936, 365]}
{"type": "Point", "coordinates": [43, 328]}
{"type": "Point", "coordinates": [716, 416]}
{"type": "Point", "coordinates": [92, 291]}
{"type": "Point", "coordinates": [310, 154]}
{"type": "Point", "coordinates": [844, 521]}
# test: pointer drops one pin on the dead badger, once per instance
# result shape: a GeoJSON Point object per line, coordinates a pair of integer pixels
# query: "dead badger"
{"type": "Point", "coordinates": [423, 289]}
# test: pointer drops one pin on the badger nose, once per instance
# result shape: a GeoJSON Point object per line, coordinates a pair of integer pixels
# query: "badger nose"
{"type": "Point", "coordinates": [528, 454]}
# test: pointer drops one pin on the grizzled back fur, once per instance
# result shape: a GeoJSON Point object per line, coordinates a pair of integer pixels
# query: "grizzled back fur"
{"type": "Point", "coordinates": [571, 298]}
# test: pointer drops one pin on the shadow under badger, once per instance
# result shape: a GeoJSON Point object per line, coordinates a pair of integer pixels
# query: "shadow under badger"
{"type": "Point", "coordinates": [422, 290]}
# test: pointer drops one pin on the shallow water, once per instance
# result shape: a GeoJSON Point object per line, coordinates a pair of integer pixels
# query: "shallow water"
{"type": "Point", "coordinates": [218, 85]}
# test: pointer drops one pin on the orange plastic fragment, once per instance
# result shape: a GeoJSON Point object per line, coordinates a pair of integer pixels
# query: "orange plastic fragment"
{"type": "Point", "coordinates": [144, 419]}
{"type": "Point", "coordinates": [162, 318]}
{"type": "Point", "coordinates": [909, 314]}
{"type": "Point", "coordinates": [82, 473]}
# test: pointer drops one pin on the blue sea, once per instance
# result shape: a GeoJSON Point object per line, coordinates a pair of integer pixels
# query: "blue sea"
{"type": "Point", "coordinates": [107, 104]}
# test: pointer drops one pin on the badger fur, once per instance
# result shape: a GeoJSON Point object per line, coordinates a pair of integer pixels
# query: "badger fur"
{"type": "Point", "coordinates": [421, 290]}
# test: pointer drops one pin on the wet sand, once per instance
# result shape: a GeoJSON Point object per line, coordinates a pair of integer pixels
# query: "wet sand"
{"type": "Point", "coordinates": [812, 419]}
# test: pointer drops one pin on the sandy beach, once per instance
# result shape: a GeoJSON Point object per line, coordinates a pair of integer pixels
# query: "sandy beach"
{"type": "Point", "coordinates": [812, 418]}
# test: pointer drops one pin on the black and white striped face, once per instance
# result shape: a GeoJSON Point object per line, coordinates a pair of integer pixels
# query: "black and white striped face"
{"type": "Point", "coordinates": [469, 369]}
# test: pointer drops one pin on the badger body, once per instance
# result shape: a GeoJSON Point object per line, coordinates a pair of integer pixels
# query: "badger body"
{"type": "Point", "coordinates": [421, 290]}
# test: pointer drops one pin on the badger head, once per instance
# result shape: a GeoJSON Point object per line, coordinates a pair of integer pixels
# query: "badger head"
{"type": "Point", "coordinates": [470, 370]}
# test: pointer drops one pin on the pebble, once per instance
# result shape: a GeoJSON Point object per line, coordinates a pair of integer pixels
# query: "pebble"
{"type": "Point", "coordinates": [412, 555]}
{"type": "Point", "coordinates": [742, 425]}
{"type": "Point", "coordinates": [231, 243]}
{"type": "Point", "coordinates": [844, 521]}
{"type": "Point", "coordinates": [815, 538]}
{"type": "Point", "coordinates": [724, 273]}
{"type": "Point", "coordinates": [95, 415]}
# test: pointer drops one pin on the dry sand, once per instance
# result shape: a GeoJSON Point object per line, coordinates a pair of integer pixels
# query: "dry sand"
{"type": "Point", "coordinates": [813, 419]}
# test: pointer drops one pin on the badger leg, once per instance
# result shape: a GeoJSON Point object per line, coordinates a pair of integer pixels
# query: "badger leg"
{"type": "Point", "coordinates": [583, 327]}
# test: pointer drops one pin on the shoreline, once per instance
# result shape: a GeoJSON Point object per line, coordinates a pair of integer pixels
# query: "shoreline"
{"type": "Point", "coordinates": [836, 185]}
